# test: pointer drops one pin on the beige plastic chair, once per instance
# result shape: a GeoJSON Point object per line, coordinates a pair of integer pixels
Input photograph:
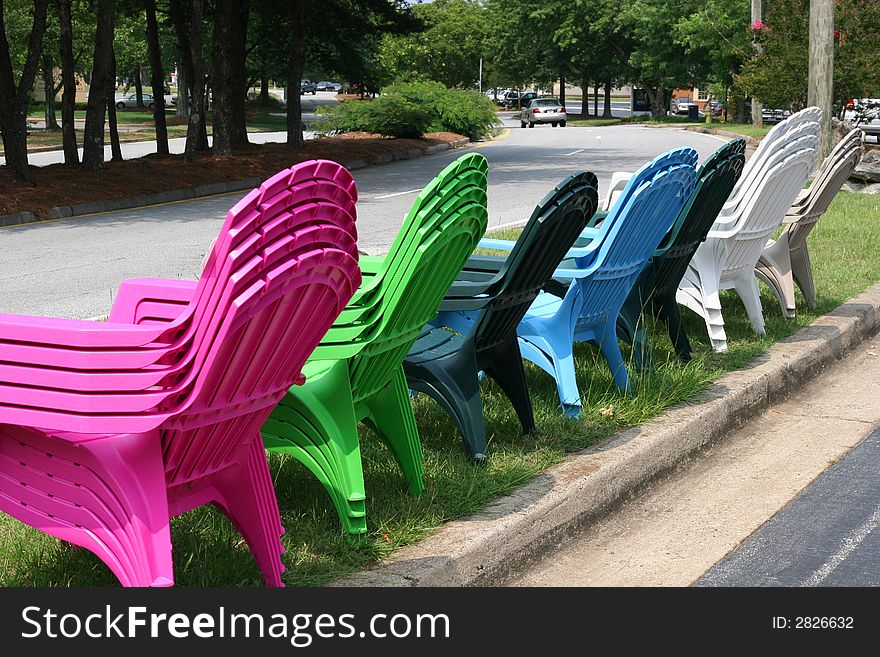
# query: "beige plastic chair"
{"type": "Point", "coordinates": [786, 260]}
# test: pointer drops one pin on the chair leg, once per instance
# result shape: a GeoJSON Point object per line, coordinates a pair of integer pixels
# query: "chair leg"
{"type": "Point", "coordinates": [774, 268]}
{"type": "Point", "coordinates": [504, 363]}
{"type": "Point", "coordinates": [669, 313]}
{"type": "Point", "coordinates": [610, 348]}
{"type": "Point", "coordinates": [746, 287]}
{"type": "Point", "coordinates": [107, 495]}
{"type": "Point", "coordinates": [451, 380]}
{"type": "Point", "coordinates": [390, 414]}
{"type": "Point", "coordinates": [247, 497]}
{"type": "Point", "coordinates": [315, 423]}
{"type": "Point", "coordinates": [631, 327]}
{"type": "Point", "coordinates": [802, 271]}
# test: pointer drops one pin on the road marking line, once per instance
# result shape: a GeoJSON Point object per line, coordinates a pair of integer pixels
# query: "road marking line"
{"type": "Point", "coordinates": [847, 547]}
{"type": "Point", "coordinates": [580, 150]}
{"type": "Point", "coordinates": [409, 191]}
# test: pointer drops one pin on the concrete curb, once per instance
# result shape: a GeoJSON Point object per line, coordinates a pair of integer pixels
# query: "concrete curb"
{"type": "Point", "coordinates": [141, 200]}
{"type": "Point", "coordinates": [488, 547]}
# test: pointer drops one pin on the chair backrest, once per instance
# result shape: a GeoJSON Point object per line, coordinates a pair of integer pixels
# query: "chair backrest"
{"type": "Point", "coordinates": [767, 206]}
{"type": "Point", "coordinates": [777, 133]}
{"type": "Point", "coordinates": [745, 188]}
{"type": "Point", "coordinates": [835, 170]}
{"type": "Point", "coordinates": [277, 281]}
{"type": "Point", "coordinates": [715, 180]}
{"type": "Point", "coordinates": [554, 226]}
{"type": "Point", "coordinates": [444, 237]}
{"type": "Point", "coordinates": [638, 223]}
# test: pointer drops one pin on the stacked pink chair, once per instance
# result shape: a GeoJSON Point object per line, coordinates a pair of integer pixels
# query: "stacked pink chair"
{"type": "Point", "coordinates": [109, 429]}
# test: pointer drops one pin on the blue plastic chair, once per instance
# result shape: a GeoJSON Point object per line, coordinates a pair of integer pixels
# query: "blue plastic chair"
{"type": "Point", "coordinates": [594, 280]}
{"type": "Point", "coordinates": [602, 274]}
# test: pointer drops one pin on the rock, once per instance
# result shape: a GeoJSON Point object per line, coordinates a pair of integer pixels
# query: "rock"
{"type": "Point", "coordinates": [868, 169]}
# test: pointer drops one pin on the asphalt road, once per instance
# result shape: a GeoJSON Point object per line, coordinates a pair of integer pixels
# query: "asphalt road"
{"type": "Point", "coordinates": [71, 268]}
{"type": "Point", "coordinates": [827, 536]}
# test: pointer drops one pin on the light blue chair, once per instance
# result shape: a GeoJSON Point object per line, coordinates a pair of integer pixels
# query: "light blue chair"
{"type": "Point", "coordinates": [594, 280]}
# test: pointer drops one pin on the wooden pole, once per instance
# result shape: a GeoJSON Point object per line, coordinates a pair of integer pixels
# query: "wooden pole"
{"type": "Point", "coordinates": [821, 80]}
{"type": "Point", "coordinates": [757, 107]}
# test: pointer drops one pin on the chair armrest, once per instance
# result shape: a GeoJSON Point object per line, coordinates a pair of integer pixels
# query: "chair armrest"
{"type": "Point", "coordinates": [595, 220]}
{"type": "Point", "coordinates": [556, 287]}
{"type": "Point", "coordinates": [498, 245]}
{"type": "Point", "coordinates": [165, 298]}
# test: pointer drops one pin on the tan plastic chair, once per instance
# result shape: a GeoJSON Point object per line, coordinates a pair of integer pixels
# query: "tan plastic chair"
{"type": "Point", "coordinates": [786, 260]}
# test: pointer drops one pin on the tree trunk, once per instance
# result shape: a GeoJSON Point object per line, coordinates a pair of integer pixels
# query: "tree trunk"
{"type": "Point", "coordinates": [189, 43]}
{"type": "Point", "coordinates": [49, 92]}
{"type": "Point", "coordinates": [102, 84]}
{"type": "Point", "coordinates": [139, 86]}
{"type": "Point", "coordinates": [14, 101]}
{"type": "Point", "coordinates": [182, 92]}
{"type": "Point", "coordinates": [221, 119]}
{"type": "Point", "coordinates": [157, 78]}
{"type": "Point", "coordinates": [296, 63]}
{"type": "Point", "coordinates": [596, 99]}
{"type": "Point", "coordinates": [585, 90]}
{"type": "Point", "coordinates": [238, 71]}
{"type": "Point", "coordinates": [656, 96]}
{"type": "Point", "coordinates": [68, 78]}
{"type": "Point", "coordinates": [606, 111]}
{"type": "Point", "coordinates": [264, 91]}
{"type": "Point", "coordinates": [561, 89]}
{"type": "Point", "coordinates": [115, 148]}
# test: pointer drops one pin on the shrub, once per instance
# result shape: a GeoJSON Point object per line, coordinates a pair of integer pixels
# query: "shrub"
{"type": "Point", "coordinates": [411, 110]}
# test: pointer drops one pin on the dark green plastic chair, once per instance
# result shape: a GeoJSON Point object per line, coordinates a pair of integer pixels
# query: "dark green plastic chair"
{"type": "Point", "coordinates": [655, 288]}
{"type": "Point", "coordinates": [360, 378]}
{"type": "Point", "coordinates": [485, 304]}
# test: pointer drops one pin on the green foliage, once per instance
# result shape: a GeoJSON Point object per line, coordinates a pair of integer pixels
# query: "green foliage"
{"type": "Point", "coordinates": [411, 110]}
{"type": "Point", "coordinates": [779, 75]}
{"type": "Point", "coordinates": [448, 49]}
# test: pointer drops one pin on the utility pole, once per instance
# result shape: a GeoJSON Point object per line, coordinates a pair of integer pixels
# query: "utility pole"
{"type": "Point", "coordinates": [757, 107]}
{"type": "Point", "coordinates": [481, 75]}
{"type": "Point", "coordinates": [821, 80]}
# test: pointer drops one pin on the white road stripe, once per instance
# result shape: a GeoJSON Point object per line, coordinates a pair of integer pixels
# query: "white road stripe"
{"type": "Point", "coordinates": [847, 547]}
{"type": "Point", "coordinates": [409, 191]}
{"type": "Point", "coordinates": [580, 150]}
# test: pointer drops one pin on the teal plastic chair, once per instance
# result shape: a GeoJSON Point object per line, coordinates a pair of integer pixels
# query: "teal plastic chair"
{"type": "Point", "coordinates": [356, 373]}
{"type": "Point", "coordinates": [486, 303]}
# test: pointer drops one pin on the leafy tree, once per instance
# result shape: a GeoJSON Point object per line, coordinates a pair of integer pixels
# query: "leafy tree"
{"type": "Point", "coordinates": [779, 75]}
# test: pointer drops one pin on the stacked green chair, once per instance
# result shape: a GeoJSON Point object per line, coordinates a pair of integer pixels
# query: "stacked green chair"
{"type": "Point", "coordinates": [356, 373]}
{"type": "Point", "coordinates": [485, 305]}
{"type": "Point", "coordinates": [656, 286]}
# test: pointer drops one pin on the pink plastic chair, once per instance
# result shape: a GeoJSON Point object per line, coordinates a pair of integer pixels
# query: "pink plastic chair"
{"type": "Point", "coordinates": [109, 429]}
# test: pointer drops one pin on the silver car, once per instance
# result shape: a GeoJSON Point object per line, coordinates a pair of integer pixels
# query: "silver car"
{"type": "Point", "coordinates": [543, 110]}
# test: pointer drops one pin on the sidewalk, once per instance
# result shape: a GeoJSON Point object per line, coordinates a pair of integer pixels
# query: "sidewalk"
{"type": "Point", "coordinates": [675, 532]}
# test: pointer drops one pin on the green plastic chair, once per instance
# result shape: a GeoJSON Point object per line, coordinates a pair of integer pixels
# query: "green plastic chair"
{"type": "Point", "coordinates": [486, 304]}
{"type": "Point", "coordinates": [361, 378]}
{"type": "Point", "coordinates": [656, 286]}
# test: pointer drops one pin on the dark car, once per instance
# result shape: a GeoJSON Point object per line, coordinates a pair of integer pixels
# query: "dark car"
{"type": "Point", "coordinates": [514, 99]}
{"type": "Point", "coordinates": [307, 87]}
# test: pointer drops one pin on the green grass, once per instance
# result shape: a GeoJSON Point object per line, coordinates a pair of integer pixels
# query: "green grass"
{"type": "Point", "coordinates": [740, 128]}
{"type": "Point", "coordinates": [845, 248]}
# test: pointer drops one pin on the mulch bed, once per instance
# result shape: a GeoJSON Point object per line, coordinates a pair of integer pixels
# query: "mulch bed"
{"type": "Point", "coordinates": [59, 185]}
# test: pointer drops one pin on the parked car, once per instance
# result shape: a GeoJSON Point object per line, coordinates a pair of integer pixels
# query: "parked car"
{"type": "Point", "coordinates": [773, 116]}
{"type": "Point", "coordinates": [130, 102]}
{"type": "Point", "coordinates": [543, 110]}
{"type": "Point", "coordinates": [680, 106]}
{"type": "Point", "coordinates": [307, 87]}
{"type": "Point", "coordinates": [864, 113]}
{"type": "Point", "coordinates": [514, 99]}
{"type": "Point", "coordinates": [326, 85]}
